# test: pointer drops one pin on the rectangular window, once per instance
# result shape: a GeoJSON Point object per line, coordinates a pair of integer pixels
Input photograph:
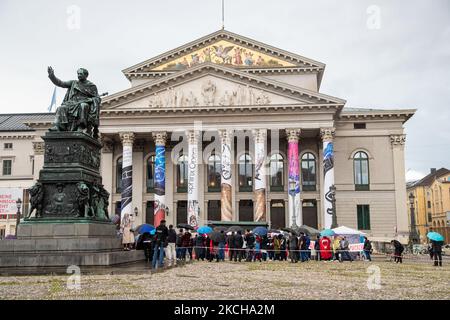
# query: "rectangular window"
{"type": "Point", "coordinates": [429, 204]}
{"type": "Point", "coordinates": [359, 125]}
{"type": "Point", "coordinates": [7, 166]}
{"type": "Point", "coordinates": [8, 146]}
{"type": "Point", "coordinates": [363, 212]}
{"type": "Point", "coordinates": [429, 217]}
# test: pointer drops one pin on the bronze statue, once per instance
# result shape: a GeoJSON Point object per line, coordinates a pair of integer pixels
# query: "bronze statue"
{"type": "Point", "coordinates": [79, 110]}
{"type": "Point", "coordinates": [36, 196]}
{"type": "Point", "coordinates": [83, 199]}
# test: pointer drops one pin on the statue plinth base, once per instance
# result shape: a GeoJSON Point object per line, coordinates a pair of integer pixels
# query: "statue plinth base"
{"type": "Point", "coordinates": [65, 243]}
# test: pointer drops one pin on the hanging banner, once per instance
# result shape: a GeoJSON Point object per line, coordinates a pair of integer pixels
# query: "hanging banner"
{"type": "Point", "coordinates": [226, 204]}
{"type": "Point", "coordinates": [294, 183]}
{"type": "Point", "coordinates": [160, 207]}
{"type": "Point", "coordinates": [127, 180]}
{"type": "Point", "coordinates": [193, 207]}
{"type": "Point", "coordinates": [8, 198]}
{"type": "Point", "coordinates": [328, 169]}
{"type": "Point", "coordinates": [260, 179]}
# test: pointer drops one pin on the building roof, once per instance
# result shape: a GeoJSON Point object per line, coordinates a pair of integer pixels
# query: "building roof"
{"type": "Point", "coordinates": [430, 178]}
{"type": "Point", "coordinates": [15, 121]}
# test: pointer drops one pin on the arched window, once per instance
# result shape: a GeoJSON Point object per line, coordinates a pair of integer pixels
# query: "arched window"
{"type": "Point", "coordinates": [119, 175]}
{"type": "Point", "coordinates": [150, 180]}
{"type": "Point", "coordinates": [309, 172]}
{"type": "Point", "coordinates": [245, 173]}
{"type": "Point", "coordinates": [182, 173]}
{"type": "Point", "coordinates": [361, 170]}
{"type": "Point", "coordinates": [214, 173]}
{"type": "Point", "coordinates": [276, 172]}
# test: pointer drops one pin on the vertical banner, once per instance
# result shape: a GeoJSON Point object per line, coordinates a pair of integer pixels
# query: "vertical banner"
{"type": "Point", "coordinates": [328, 182]}
{"type": "Point", "coordinates": [294, 183]}
{"type": "Point", "coordinates": [160, 184]}
{"type": "Point", "coordinates": [226, 210]}
{"type": "Point", "coordinates": [260, 174]}
{"type": "Point", "coordinates": [127, 179]}
{"type": "Point", "coordinates": [193, 205]}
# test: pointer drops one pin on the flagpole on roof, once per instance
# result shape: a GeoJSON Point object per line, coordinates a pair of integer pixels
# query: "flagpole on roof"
{"type": "Point", "coordinates": [53, 101]}
{"type": "Point", "coordinates": [223, 15]}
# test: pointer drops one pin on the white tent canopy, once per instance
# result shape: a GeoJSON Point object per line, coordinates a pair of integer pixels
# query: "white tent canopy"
{"type": "Point", "coordinates": [343, 230]}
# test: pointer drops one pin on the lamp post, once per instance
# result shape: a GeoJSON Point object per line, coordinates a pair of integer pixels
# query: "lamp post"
{"type": "Point", "coordinates": [292, 185]}
{"type": "Point", "coordinates": [333, 207]}
{"type": "Point", "coordinates": [413, 237]}
{"type": "Point", "coordinates": [19, 206]}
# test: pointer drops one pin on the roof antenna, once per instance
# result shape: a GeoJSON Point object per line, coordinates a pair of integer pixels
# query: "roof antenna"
{"type": "Point", "coordinates": [223, 15]}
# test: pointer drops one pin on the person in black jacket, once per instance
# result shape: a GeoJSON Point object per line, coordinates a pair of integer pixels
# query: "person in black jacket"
{"type": "Point", "coordinates": [293, 248]}
{"type": "Point", "coordinates": [367, 248]}
{"type": "Point", "coordinates": [146, 240]}
{"type": "Point", "coordinates": [398, 250]}
{"type": "Point", "coordinates": [436, 248]}
{"type": "Point", "coordinates": [230, 241]}
{"type": "Point", "coordinates": [199, 247]}
{"type": "Point", "coordinates": [250, 249]}
{"type": "Point", "coordinates": [238, 244]}
{"type": "Point", "coordinates": [170, 246]}
{"type": "Point", "coordinates": [158, 245]}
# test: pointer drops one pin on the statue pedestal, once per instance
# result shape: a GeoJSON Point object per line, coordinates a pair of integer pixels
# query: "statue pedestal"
{"type": "Point", "coordinates": [66, 243]}
{"type": "Point", "coordinates": [70, 225]}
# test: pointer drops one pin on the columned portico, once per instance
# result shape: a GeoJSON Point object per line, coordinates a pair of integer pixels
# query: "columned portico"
{"type": "Point", "coordinates": [327, 135]}
{"type": "Point", "coordinates": [127, 139]}
{"type": "Point", "coordinates": [226, 208]}
{"type": "Point", "coordinates": [295, 208]}
{"type": "Point", "coordinates": [160, 206]}
{"type": "Point", "coordinates": [193, 173]}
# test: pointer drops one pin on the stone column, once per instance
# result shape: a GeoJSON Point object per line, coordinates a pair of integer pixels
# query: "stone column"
{"type": "Point", "coordinates": [106, 169]}
{"type": "Point", "coordinates": [226, 203]}
{"type": "Point", "coordinates": [401, 210]}
{"type": "Point", "coordinates": [138, 181]}
{"type": "Point", "coordinates": [193, 172]}
{"type": "Point", "coordinates": [127, 139]}
{"type": "Point", "coordinates": [327, 135]}
{"type": "Point", "coordinates": [295, 210]}
{"type": "Point", "coordinates": [260, 136]}
{"type": "Point", "coordinates": [160, 206]}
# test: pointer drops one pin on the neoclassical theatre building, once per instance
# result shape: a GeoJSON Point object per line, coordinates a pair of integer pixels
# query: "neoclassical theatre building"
{"type": "Point", "coordinates": [226, 128]}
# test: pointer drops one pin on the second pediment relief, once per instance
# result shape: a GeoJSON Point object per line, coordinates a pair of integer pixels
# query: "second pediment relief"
{"type": "Point", "coordinates": [209, 94]}
{"type": "Point", "coordinates": [226, 53]}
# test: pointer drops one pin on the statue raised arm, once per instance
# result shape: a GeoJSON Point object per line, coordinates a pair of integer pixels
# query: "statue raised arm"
{"type": "Point", "coordinates": [79, 110]}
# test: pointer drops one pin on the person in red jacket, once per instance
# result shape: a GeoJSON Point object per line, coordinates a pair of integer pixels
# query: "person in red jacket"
{"type": "Point", "coordinates": [325, 248]}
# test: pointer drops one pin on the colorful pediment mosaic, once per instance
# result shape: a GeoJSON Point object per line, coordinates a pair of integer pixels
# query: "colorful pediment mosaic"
{"type": "Point", "coordinates": [225, 53]}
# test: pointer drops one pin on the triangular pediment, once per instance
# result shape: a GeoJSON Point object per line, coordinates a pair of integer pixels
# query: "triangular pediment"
{"type": "Point", "coordinates": [224, 48]}
{"type": "Point", "coordinates": [212, 85]}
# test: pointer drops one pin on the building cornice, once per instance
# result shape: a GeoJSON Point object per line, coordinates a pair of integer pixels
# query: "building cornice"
{"type": "Point", "coordinates": [394, 114]}
{"type": "Point", "coordinates": [16, 135]}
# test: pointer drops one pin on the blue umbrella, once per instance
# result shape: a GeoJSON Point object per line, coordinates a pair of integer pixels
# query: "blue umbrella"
{"type": "Point", "coordinates": [327, 233]}
{"type": "Point", "coordinates": [143, 228]}
{"type": "Point", "coordinates": [435, 236]}
{"type": "Point", "coordinates": [260, 231]}
{"type": "Point", "coordinates": [204, 229]}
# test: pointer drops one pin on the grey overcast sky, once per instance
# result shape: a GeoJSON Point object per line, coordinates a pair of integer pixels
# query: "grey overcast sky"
{"type": "Point", "coordinates": [379, 54]}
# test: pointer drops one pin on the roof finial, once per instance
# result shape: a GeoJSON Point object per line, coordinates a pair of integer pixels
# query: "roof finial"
{"type": "Point", "coordinates": [223, 15]}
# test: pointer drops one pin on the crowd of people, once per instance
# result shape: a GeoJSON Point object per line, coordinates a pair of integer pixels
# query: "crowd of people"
{"type": "Point", "coordinates": [244, 245]}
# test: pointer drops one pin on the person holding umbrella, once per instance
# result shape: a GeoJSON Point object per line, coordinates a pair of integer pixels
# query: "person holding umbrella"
{"type": "Point", "coordinates": [437, 240]}
{"type": "Point", "coordinates": [238, 245]}
{"type": "Point", "coordinates": [398, 250]}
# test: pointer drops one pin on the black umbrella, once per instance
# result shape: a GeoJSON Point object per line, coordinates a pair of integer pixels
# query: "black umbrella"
{"type": "Point", "coordinates": [235, 229]}
{"type": "Point", "coordinates": [215, 236]}
{"type": "Point", "coordinates": [307, 230]}
{"type": "Point", "coordinates": [224, 229]}
{"type": "Point", "coordinates": [274, 231]}
{"type": "Point", "coordinates": [185, 226]}
{"type": "Point", "coordinates": [290, 230]}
